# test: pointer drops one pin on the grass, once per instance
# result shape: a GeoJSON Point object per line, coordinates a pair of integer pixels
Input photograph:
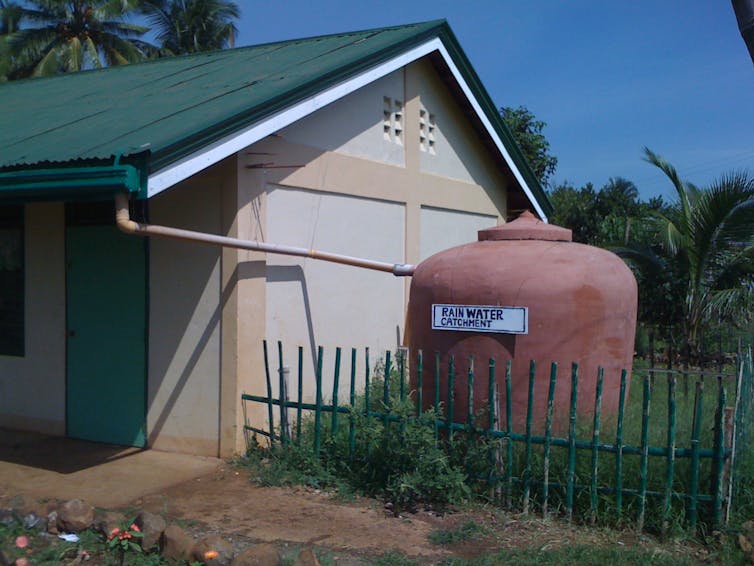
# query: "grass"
{"type": "Point", "coordinates": [580, 555]}
{"type": "Point", "coordinates": [469, 530]}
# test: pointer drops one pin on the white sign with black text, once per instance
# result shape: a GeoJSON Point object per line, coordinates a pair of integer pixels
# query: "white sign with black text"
{"type": "Point", "coordinates": [481, 318]}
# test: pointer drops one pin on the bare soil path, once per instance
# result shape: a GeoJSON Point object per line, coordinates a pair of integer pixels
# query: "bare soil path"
{"type": "Point", "coordinates": [226, 502]}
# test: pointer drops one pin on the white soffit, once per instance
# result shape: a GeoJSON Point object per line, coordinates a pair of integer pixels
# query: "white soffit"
{"type": "Point", "coordinates": [215, 152]}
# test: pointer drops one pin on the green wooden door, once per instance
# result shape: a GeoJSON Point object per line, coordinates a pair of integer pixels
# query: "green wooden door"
{"type": "Point", "coordinates": [106, 310]}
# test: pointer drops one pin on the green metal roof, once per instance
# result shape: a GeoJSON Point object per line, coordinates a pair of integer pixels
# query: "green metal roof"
{"type": "Point", "coordinates": [155, 113]}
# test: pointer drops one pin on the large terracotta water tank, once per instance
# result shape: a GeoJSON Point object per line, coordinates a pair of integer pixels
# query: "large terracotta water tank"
{"type": "Point", "coordinates": [581, 304]}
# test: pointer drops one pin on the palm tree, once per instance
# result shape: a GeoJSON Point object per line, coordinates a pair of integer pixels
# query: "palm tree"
{"type": "Point", "coordinates": [10, 14]}
{"type": "Point", "coordinates": [191, 26]}
{"type": "Point", "coordinates": [70, 35]}
{"type": "Point", "coordinates": [707, 239]}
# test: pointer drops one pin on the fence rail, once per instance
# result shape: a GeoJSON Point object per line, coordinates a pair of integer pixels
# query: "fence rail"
{"type": "Point", "coordinates": [521, 465]}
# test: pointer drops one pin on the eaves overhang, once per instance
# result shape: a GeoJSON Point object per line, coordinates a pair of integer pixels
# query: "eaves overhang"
{"type": "Point", "coordinates": [70, 183]}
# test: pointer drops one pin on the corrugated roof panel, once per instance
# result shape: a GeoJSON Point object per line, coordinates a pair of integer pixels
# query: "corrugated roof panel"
{"type": "Point", "coordinates": [97, 114]}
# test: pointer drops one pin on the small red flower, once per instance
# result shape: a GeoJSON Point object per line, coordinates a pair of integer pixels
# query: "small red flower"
{"type": "Point", "coordinates": [22, 541]}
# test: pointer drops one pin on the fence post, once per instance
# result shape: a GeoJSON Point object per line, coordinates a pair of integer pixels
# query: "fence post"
{"type": "Point", "coordinates": [596, 441]}
{"type": "Point", "coordinates": [670, 466]}
{"type": "Point", "coordinates": [527, 451]}
{"type": "Point", "coordinates": [367, 388]}
{"type": "Point", "coordinates": [619, 446]}
{"type": "Point", "coordinates": [318, 403]}
{"type": "Point", "coordinates": [548, 438]}
{"type": "Point", "coordinates": [509, 441]}
{"type": "Point", "coordinates": [269, 393]}
{"type": "Point", "coordinates": [695, 433]}
{"type": "Point", "coordinates": [300, 393]}
{"type": "Point", "coordinates": [491, 427]}
{"type": "Point", "coordinates": [282, 395]}
{"type": "Point", "coordinates": [572, 440]}
{"type": "Point", "coordinates": [451, 396]}
{"type": "Point", "coordinates": [644, 453]}
{"type": "Point", "coordinates": [419, 383]}
{"type": "Point", "coordinates": [718, 458]}
{"type": "Point", "coordinates": [335, 387]}
{"type": "Point", "coordinates": [352, 401]}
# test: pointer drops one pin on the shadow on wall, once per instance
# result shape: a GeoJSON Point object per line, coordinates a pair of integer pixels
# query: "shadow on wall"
{"type": "Point", "coordinates": [295, 273]}
{"type": "Point", "coordinates": [244, 270]}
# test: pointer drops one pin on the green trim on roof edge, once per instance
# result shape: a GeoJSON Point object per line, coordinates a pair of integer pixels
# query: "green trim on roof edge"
{"type": "Point", "coordinates": [70, 183]}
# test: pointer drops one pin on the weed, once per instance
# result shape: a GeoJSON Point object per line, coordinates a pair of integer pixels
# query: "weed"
{"type": "Point", "coordinates": [469, 530]}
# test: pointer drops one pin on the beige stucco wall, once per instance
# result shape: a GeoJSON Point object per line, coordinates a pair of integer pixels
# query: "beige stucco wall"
{"type": "Point", "coordinates": [32, 388]}
{"type": "Point", "coordinates": [183, 403]}
{"type": "Point", "coordinates": [315, 190]}
{"type": "Point", "coordinates": [442, 229]}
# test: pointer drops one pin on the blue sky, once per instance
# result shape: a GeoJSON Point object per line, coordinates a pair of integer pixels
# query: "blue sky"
{"type": "Point", "coordinates": [608, 77]}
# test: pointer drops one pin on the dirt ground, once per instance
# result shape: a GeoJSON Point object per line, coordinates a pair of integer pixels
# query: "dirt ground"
{"type": "Point", "coordinates": [226, 502]}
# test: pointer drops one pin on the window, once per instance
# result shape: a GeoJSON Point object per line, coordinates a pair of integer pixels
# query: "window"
{"type": "Point", "coordinates": [11, 280]}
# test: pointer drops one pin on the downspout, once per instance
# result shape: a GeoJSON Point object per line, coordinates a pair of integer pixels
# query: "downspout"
{"type": "Point", "coordinates": [125, 224]}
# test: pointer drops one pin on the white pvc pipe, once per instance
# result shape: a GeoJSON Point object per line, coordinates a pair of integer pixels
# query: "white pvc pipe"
{"type": "Point", "coordinates": [125, 224]}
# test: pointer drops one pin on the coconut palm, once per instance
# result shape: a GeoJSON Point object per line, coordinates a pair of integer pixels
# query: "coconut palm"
{"type": "Point", "coordinates": [10, 14]}
{"type": "Point", "coordinates": [70, 35]}
{"type": "Point", "coordinates": [190, 26]}
{"type": "Point", "coordinates": [707, 240]}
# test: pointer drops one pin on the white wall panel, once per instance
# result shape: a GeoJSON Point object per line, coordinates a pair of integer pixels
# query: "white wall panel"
{"type": "Point", "coordinates": [442, 229]}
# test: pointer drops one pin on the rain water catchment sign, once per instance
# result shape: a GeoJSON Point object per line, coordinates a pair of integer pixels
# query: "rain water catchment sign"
{"type": "Point", "coordinates": [481, 318]}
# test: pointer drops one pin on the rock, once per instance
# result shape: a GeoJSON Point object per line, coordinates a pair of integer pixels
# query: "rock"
{"type": "Point", "coordinates": [106, 521]}
{"type": "Point", "coordinates": [306, 558]}
{"type": "Point", "coordinates": [52, 522]}
{"type": "Point", "coordinates": [176, 544]}
{"type": "Point", "coordinates": [152, 526]}
{"type": "Point", "coordinates": [744, 544]}
{"type": "Point", "coordinates": [213, 550]}
{"type": "Point", "coordinates": [259, 555]}
{"type": "Point", "coordinates": [75, 515]}
{"type": "Point", "coordinates": [7, 517]}
{"type": "Point", "coordinates": [34, 521]}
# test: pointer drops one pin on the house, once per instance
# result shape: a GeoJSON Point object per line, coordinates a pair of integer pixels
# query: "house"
{"type": "Point", "coordinates": [380, 144]}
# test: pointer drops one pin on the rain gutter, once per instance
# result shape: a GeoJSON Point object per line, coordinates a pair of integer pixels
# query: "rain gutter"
{"type": "Point", "coordinates": [125, 224]}
{"type": "Point", "coordinates": [69, 182]}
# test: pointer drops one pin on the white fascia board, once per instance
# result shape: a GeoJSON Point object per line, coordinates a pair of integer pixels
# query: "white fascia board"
{"type": "Point", "coordinates": [490, 129]}
{"type": "Point", "coordinates": [215, 152]}
{"type": "Point", "coordinates": [192, 164]}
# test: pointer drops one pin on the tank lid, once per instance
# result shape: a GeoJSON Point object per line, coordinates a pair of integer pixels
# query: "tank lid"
{"type": "Point", "coordinates": [526, 227]}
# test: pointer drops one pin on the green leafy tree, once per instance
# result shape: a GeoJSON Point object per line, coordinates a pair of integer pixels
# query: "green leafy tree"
{"type": "Point", "coordinates": [704, 253]}
{"type": "Point", "coordinates": [527, 131]}
{"type": "Point", "coordinates": [576, 209]}
{"type": "Point", "coordinates": [191, 26]}
{"type": "Point", "coordinates": [57, 36]}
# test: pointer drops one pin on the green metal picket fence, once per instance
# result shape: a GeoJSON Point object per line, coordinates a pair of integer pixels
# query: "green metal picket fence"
{"type": "Point", "coordinates": [594, 471]}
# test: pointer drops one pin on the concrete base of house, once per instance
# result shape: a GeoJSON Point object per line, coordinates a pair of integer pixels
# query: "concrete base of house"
{"type": "Point", "coordinates": [37, 466]}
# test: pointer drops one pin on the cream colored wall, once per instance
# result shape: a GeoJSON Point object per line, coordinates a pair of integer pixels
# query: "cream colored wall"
{"type": "Point", "coordinates": [313, 303]}
{"type": "Point", "coordinates": [183, 410]}
{"type": "Point", "coordinates": [330, 181]}
{"type": "Point", "coordinates": [442, 229]}
{"type": "Point", "coordinates": [366, 124]}
{"type": "Point", "coordinates": [316, 191]}
{"type": "Point", "coordinates": [456, 153]}
{"type": "Point", "coordinates": [32, 387]}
